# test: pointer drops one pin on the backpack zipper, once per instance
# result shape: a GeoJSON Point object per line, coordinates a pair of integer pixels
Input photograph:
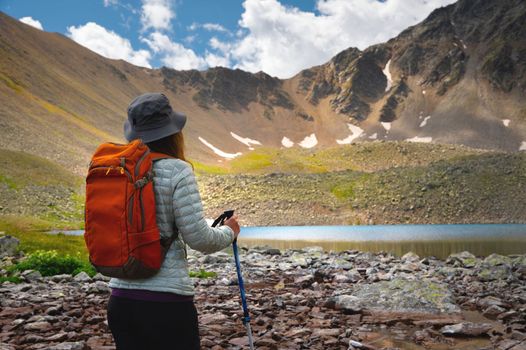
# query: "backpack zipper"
{"type": "Point", "coordinates": [110, 168]}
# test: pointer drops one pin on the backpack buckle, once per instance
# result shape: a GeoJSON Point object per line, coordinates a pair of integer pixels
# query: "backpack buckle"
{"type": "Point", "coordinates": [143, 181]}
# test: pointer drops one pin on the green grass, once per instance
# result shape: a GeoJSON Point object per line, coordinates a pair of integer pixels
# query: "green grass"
{"type": "Point", "coordinates": [11, 83]}
{"type": "Point", "coordinates": [361, 156]}
{"type": "Point", "coordinates": [12, 279]}
{"type": "Point", "coordinates": [29, 231]}
{"type": "Point", "coordinates": [268, 160]}
{"type": "Point", "coordinates": [202, 274]}
{"type": "Point", "coordinates": [9, 182]}
{"type": "Point", "coordinates": [19, 169]}
{"type": "Point", "coordinates": [202, 168]}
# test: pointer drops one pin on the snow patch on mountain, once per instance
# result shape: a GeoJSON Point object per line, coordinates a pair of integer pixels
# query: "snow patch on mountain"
{"type": "Point", "coordinates": [387, 74]}
{"type": "Point", "coordinates": [424, 122]}
{"type": "Point", "coordinates": [426, 139]}
{"type": "Point", "coordinates": [355, 133]}
{"type": "Point", "coordinates": [309, 141]}
{"type": "Point", "coordinates": [387, 126]}
{"type": "Point", "coordinates": [246, 141]}
{"type": "Point", "coordinates": [374, 136]}
{"type": "Point", "coordinates": [286, 142]}
{"type": "Point", "coordinates": [523, 146]}
{"type": "Point", "coordinates": [218, 151]}
{"type": "Point", "coordinates": [506, 122]}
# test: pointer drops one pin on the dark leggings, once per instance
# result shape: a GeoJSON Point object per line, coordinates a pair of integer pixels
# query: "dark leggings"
{"type": "Point", "coordinates": [149, 325]}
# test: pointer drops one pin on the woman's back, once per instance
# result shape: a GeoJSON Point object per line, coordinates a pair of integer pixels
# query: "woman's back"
{"type": "Point", "coordinates": [178, 204]}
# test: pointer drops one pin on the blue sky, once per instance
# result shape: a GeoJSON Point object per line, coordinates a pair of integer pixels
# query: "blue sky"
{"type": "Point", "coordinates": [280, 37]}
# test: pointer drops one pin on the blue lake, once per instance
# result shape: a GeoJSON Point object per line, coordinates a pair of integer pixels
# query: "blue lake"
{"type": "Point", "coordinates": [425, 240]}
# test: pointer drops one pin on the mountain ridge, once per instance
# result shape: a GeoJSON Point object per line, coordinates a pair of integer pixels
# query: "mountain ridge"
{"type": "Point", "coordinates": [457, 77]}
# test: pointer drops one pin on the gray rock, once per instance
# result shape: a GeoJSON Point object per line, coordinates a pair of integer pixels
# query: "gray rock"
{"type": "Point", "coordinates": [498, 260]}
{"type": "Point", "coordinates": [304, 281]}
{"type": "Point", "coordinates": [82, 277]}
{"type": "Point", "coordinates": [8, 245]}
{"type": "Point", "coordinates": [61, 278]}
{"type": "Point", "coordinates": [492, 273]}
{"type": "Point", "coordinates": [349, 303]}
{"type": "Point", "coordinates": [5, 346]}
{"type": "Point", "coordinates": [38, 326]}
{"type": "Point", "coordinates": [467, 328]}
{"type": "Point", "coordinates": [270, 251]}
{"type": "Point", "coordinates": [98, 287]}
{"type": "Point", "coordinates": [465, 259]}
{"type": "Point", "coordinates": [79, 345]}
{"type": "Point", "coordinates": [298, 259]}
{"type": "Point", "coordinates": [493, 311]}
{"type": "Point", "coordinates": [410, 257]}
{"type": "Point", "coordinates": [313, 250]}
{"type": "Point", "coordinates": [398, 296]}
{"type": "Point", "coordinates": [101, 277]}
{"type": "Point", "coordinates": [31, 275]}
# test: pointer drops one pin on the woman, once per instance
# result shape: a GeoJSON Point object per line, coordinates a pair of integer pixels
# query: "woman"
{"type": "Point", "coordinates": [159, 312]}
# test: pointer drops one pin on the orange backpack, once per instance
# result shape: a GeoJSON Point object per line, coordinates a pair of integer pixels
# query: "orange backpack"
{"type": "Point", "coordinates": [121, 231]}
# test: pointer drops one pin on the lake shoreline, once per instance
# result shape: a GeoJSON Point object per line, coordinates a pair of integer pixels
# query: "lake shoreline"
{"type": "Point", "coordinates": [425, 240]}
{"type": "Point", "coordinates": [303, 298]}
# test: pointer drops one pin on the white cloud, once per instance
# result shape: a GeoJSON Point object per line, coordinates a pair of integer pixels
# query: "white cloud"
{"type": "Point", "coordinates": [211, 27]}
{"type": "Point", "coordinates": [215, 27]}
{"type": "Point", "coordinates": [110, 3]}
{"type": "Point", "coordinates": [282, 40]}
{"type": "Point", "coordinates": [32, 22]}
{"type": "Point", "coordinates": [174, 55]}
{"type": "Point", "coordinates": [213, 60]}
{"type": "Point", "coordinates": [108, 44]}
{"type": "Point", "coordinates": [157, 14]}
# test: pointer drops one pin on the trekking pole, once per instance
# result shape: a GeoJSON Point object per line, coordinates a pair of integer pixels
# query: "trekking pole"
{"type": "Point", "coordinates": [246, 317]}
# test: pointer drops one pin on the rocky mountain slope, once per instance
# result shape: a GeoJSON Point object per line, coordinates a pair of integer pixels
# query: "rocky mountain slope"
{"type": "Point", "coordinates": [457, 77]}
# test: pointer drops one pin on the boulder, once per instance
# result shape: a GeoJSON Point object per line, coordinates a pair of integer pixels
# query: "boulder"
{"type": "Point", "coordinates": [82, 277]}
{"type": "Point", "coordinates": [299, 259]}
{"type": "Point", "coordinates": [31, 275]}
{"type": "Point", "coordinates": [464, 259]}
{"type": "Point", "coordinates": [398, 299]}
{"type": "Point", "coordinates": [410, 257]}
{"type": "Point", "coordinates": [498, 260]}
{"type": "Point", "coordinates": [8, 245]}
{"type": "Point", "coordinates": [466, 329]}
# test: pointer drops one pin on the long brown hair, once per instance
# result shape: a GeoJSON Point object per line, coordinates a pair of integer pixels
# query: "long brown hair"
{"type": "Point", "coordinates": [172, 145]}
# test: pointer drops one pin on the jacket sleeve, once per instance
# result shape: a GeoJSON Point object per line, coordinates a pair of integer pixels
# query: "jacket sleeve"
{"type": "Point", "coordinates": [189, 217]}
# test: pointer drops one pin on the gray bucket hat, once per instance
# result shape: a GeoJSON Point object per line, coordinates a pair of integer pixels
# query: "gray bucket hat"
{"type": "Point", "coordinates": [150, 118]}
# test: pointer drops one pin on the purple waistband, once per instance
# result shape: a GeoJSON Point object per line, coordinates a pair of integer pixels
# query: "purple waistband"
{"type": "Point", "coordinates": [150, 295]}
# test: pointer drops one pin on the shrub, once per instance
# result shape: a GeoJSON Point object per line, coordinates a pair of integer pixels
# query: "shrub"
{"type": "Point", "coordinates": [12, 279]}
{"type": "Point", "coordinates": [202, 274]}
{"type": "Point", "coordinates": [49, 263]}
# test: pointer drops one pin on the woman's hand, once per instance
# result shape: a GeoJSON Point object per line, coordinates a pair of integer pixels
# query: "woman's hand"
{"type": "Point", "coordinates": [233, 224]}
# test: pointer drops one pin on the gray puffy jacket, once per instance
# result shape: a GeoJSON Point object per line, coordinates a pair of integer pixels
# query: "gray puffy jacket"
{"type": "Point", "coordinates": [178, 204]}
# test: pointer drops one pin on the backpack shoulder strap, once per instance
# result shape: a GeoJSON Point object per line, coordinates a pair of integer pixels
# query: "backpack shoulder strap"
{"type": "Point", "coordinates": [158, 155]}
{"type": "Point", "coordinates": [165, 242]}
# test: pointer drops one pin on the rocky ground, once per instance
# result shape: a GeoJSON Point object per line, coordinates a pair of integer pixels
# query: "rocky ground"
{"type": "Point", "coordinates": [301, 299]}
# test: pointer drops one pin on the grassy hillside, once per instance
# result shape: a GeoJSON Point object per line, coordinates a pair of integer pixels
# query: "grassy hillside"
{"type": "Point", "coordinates": [36, 193]}
{"type": "Point", "coordinates": [380, 183]}
{"type": "Point", "coordinates": [363, 156]}
{"type": "Point", "coordinates": [364, 183]}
